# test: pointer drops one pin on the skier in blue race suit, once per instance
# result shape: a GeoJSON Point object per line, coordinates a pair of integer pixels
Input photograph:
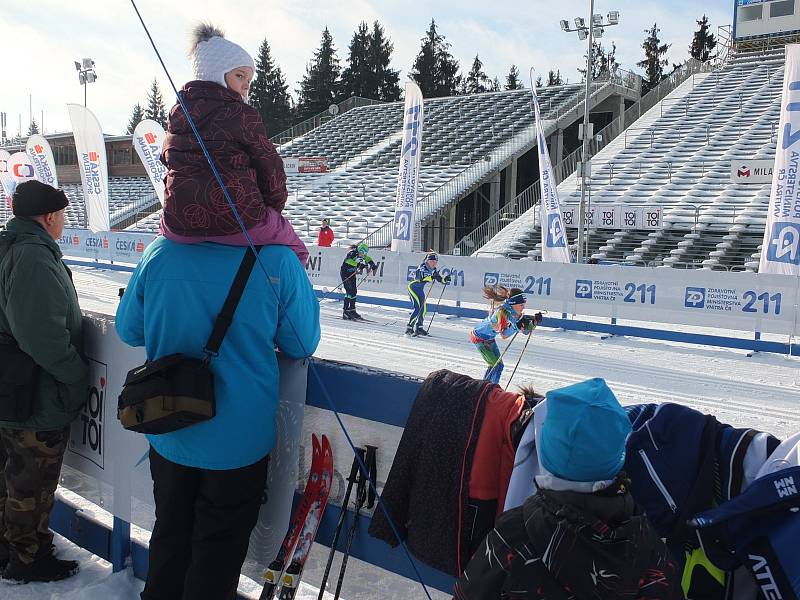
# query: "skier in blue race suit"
{"type": "Point", "coordinates": [425, 273]}
{"type": "Point", "coordinates": [505, 320]}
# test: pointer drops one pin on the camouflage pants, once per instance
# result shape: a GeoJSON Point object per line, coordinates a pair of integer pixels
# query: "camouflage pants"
{"type": "Point", "coordinates": [30, 466]}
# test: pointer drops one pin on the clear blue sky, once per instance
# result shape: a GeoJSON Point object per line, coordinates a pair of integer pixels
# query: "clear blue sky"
{"type": "Point", "coordinates": [43, 39]}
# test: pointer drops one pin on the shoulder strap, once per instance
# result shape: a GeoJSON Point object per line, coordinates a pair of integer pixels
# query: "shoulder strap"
{"type": "Point", "coordinates": [225, 316]}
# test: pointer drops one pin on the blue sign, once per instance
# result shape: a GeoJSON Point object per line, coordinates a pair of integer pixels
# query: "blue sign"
{"type": "Point", "coordinates": [555, 232]}
{"type": "Point", "coordinates": [695, 297]}
{"type": "Point", "coordinates": [491, 279]}
{"type": "Point", "coordinates": [784, 243]}
{"type": "Point", "coordinates": [583, 288]}
{"type": "Point", "coordinates": [402, 225]}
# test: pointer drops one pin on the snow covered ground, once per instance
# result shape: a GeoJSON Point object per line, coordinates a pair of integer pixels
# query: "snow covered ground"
{"type": "Point", "coordinates": [762, 392]}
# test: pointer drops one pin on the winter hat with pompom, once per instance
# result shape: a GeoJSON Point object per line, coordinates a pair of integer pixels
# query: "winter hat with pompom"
{"type": "Point", "coordinates": [212, 55]}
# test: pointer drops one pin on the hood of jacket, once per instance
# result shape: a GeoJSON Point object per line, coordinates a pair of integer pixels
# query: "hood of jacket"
{"type": "Point", "coordinates": [592, 544]}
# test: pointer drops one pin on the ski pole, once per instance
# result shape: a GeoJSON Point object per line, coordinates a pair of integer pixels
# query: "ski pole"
{"type": "Point", "coordinates": [518, 360]}
{"type": "Point", "coordinates": [436, 310]}
{"type": "Point", "coordinates": [328, 293]}
{"type": "Point", "coordinates": [345, 503]}
{"type": "Point", "coordinates": [361, 497]}
{"type": "Point", "coordinates": [503, 353]}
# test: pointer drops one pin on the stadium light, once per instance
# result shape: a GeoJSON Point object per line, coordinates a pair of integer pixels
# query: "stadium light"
{"type": "Point", "coordinates": [86, 74]}
{"type": "Point", "coordinates": [595, 29]}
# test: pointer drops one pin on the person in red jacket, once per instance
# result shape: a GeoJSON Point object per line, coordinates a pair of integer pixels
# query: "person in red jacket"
{"type": "Point", "coordinates": [325, 236]}
{"type": "Point", "coordinates": [195, 208]}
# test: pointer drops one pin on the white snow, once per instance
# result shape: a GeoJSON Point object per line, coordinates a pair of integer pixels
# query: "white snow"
{"type": "Point", "coordinates": [761, 392]}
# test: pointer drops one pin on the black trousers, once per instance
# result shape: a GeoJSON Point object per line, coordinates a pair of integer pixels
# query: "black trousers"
{"type": "Point", "coordinates": [203, 524]}
{"type": "Point", "coordinates": [348, 275]}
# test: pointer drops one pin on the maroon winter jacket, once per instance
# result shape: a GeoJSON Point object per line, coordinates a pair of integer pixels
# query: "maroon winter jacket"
{"type": "Point", "coordinates": [248, 163]}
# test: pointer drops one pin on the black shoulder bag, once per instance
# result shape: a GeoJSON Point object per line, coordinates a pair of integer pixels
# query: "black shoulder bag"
{"type": "Point", "coordinates": [177, 391]}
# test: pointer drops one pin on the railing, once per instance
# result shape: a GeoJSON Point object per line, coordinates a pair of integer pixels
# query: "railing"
{"type": "Point", "coordinates": [312, 123]}
{"type": "Point", "coordinates": [529, 197]}
{"type": "Point", "coordinates": [131, 213]}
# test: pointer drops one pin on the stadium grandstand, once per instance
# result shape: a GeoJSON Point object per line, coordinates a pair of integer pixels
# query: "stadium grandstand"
{"type": "Point", "coordinates": [678, 156]}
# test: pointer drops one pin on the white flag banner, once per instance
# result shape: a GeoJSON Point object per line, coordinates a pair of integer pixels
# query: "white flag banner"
{"type": "Point", "coordinates": [408, 176]}
{"type": "Point", "coordinates": [41, 155]}
{"type": "Point", "coordinates": [780, 251]}
{"type": "Point", "coordinates": [148, 139]}
{"type": "Point", "coordinates": [6, 180]}
{"type": "Point", "coordinates": [554, 235]}
{"type": "Point", "coordinates": [20, 167]}
{"type": "Point", "coordinates": [92, 164]}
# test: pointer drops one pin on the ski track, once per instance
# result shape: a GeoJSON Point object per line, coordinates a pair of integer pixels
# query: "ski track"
{"type": "Point", "coordinates": [760, 392]}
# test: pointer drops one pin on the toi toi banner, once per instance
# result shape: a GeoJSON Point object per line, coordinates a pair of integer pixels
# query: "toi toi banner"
{"type": "Point", "coordinates": [93, 166]}
{"type": "Point", "coordinates": [148, 139]}
{"type": "Point", "coordinates": [41, 156]}
{"type": "Point", "coordinates": [408, 175]}
{"type": "Point", "coordinates": [780, 252]}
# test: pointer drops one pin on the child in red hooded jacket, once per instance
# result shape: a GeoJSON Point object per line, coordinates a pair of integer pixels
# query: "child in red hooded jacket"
{"type": "Point", "coordinates": [195, 209]}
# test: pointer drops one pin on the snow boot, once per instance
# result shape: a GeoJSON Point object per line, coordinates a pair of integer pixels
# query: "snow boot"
{"type": "Point", "coordinates": [44, 569]}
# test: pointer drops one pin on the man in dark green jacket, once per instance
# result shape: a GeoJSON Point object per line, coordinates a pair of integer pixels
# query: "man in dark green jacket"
{"type": "Point", "coordinates": [39, 313]}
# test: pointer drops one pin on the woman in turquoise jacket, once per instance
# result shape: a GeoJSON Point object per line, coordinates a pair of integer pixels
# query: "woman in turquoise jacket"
{"type": "Point", "coordinates": [208, 479]}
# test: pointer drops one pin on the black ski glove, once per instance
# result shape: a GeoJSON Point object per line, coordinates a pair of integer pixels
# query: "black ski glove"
{"type": "Point", "coordinates": [447, 280]}
{"type": "Point", "coordinates": [526, 323]}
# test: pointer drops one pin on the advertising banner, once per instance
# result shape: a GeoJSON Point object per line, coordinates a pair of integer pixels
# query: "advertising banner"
{"type": "Point", "coordinates": [92, 164]}
{"type": "Point", "coordinates": [752, 171]}
{"type": "Point", "coordinates": [115, 246]}
{"type": "Point", "coordinates": [20, 167]}
{"type": "Point", "coordinates": [742, 301]}
{"type": "Point", "coordinates": [6, 179]}
{"type": "Point", "coordinates": [781, 247]}
{"type": "Point", "coordinates": [41, 155]}
{"type": "Point", "coordinates": [148, 139]}
{"type": "Point", "coordinates": [408, 175]}
{"type": "Point", "coordinates": [555, 247]}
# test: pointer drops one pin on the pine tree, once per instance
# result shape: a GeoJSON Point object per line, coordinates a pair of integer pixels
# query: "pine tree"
{"type": "Point", "coordinates": [604, 62]}
{"type": "Point", "coordinates": [386, 81]}
{"type": "Point", "coordinates": [653, 63]}
{"type": "Point", "coordinates": [495, 85]}
{"type": "Point", "coordinates": [514, 82]}
{"type": "Point", "coordinates": [435, 70]}
{"type": "Point", "coordinates": [358, 78]}
{"type": "Point", "coordinates": [703, 41]}
{"type": "Point", "coordinates": [268, 92]}
{"type": "Point", "coordinates": [476, 80]}
{"type": "Point", "coordinates": [554, 78]}
{"type": "Point", "coordinates": [155, 105]}
{"type": "Point", "coordinates": [136, 117]}
{"type": "Point", "coordinates": [320, 86]}
{"type": "Point", "coordinates": [33, 127]}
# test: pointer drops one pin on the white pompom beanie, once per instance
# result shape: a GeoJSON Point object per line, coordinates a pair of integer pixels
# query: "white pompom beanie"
{"type": "Point", "coordinates": [212, 56]}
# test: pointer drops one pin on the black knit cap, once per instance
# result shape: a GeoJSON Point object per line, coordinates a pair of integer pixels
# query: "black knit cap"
{"type": "Point", "coordinates": [33, 198]}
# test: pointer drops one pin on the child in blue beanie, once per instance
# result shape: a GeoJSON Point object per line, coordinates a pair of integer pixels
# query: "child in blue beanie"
{"type": "Point", "coordinates": [580, 536]}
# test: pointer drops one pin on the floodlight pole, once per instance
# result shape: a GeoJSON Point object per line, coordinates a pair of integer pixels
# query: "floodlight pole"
{"type": "Point", "coordinates": [582, 234]}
